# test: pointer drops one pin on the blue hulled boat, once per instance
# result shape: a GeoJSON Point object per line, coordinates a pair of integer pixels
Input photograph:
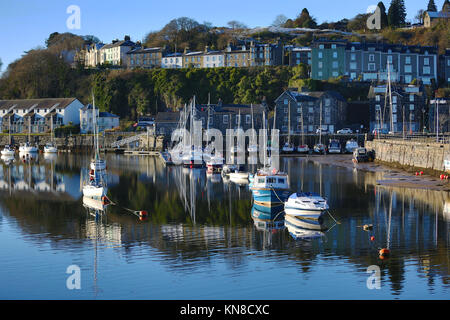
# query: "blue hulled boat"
{"type": "Point", "coordinates": [270, 189]}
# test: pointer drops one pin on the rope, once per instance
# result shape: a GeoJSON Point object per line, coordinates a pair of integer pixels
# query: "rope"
{"type": "Point", "coordinates": [337, 222]}
{"type": "Point", "coordinates": [135, 212]}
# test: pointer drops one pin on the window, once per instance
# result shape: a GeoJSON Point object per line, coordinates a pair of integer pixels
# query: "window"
{"type": "Point", "coordinates": [335, 64]}
{"type": "Point", "coordinates": [371, 57]}
{"type": "Point", "coordinates": [320, 74]}
{"type": "Point", "coordinates": [285, 101]}
{"type": "Point", "coordinates": [353, 65]}
{"type": "Point", "coordinates": [426, 61]}
{"type": "Point", "coordinates": [426, 70]}
{"type": "Point", "coordinates": [311, 110]}
{"type": "Point", "coordinates": [353, 75]}
{"type": "Point", "coordinates": [389, 59]}
{"type": "Point", "coordinates": [248, 118]}
{"type": "Point", "coordinates": [320, 54]}
{"type": "Point", "coordinates": [285, 110]}
{"type": "Point", "coordinates": [335, 54]}
{"type": "Point", "coordinates": [353, 56]}
{"type": "Point", "coordinates": [281, 180]}
{"type": "Point", "coordinates": [377, 98]}
{"type": "Point", "coordinates": [321, 46]}
{"type": "Point", "coordinates": [408, 69]}
{"type": "Point", "coordinates": [238, 118]}
{"type": "Point", "coordinates": [333, 46]}
{"type": "Point", "coordinates": [408, 79]}
{"type": "Point", "coordinates": [411, 97]}
{"type": "Point", "coordinates": [411, 107]}
{"type": "Point", "coordinates": [371, 66]}
{"type": "Point", "coordinates": [394, 99]}
{"type": "Point", "coordinates": [225, 119]}
{"type": "Point", "coordinates": [377, 107]}
{"type": "Point", "coordinates": [320, 64]}
{"type": "Point", "coordinates": [408, 60]}
{"type": "Point", "coordinates": [327, 102]}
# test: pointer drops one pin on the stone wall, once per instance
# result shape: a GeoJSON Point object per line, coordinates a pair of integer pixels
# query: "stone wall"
{"type": "Point", "coordinates": [410, 153]}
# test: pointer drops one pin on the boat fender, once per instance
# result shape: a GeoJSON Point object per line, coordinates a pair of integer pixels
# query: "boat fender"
{"type": "Point", "coordinates": [367, 227]}
{"type": "Point", "coordinates": [372, 238]}
{"type": "Point", "coordinates": [384, 252]}
{"type": "Point", "coordinates": [91, 178]}
{"type": "Point", "coordinates": [105, 200]}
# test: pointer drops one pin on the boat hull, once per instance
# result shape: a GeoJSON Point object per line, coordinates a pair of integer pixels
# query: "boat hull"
{"type": "Point", "coordinates": [268, 197]}
{"type": "Point", "coordinates": [304, 213]}
{"type": "Point", "coordinates": [95, 192]}
{"type": "Point", "coordinates": [50, 150]}
{"type": "Point", "coordinates": [7, 152]}
{"type": "Point", "coordinates": [308, 224]}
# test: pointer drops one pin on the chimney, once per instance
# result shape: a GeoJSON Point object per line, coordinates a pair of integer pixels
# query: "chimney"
{"type": "Point", "coordinates": [126, 38]}
{"type": "Point", "coordinates": [219, 103]}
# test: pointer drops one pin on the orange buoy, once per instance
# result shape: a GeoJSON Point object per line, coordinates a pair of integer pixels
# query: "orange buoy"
{"type": "Point", "coordinates": [105, 200]}
{"type": "Point", "coordinates": [143, 213]}
{"type": "Point", "coordinates": [384, 252]}
{"type": "Point", "coordinates": [372, 238]}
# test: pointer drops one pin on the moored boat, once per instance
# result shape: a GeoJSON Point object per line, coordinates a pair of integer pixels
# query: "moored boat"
{"type": "Point", "coordinates": [306, 204]}
{"type": "Point", "coordinates": [270, 188]}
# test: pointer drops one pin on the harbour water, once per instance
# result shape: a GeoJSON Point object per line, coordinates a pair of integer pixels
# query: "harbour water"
{"type": "Point", "coordinates": [200, 240]}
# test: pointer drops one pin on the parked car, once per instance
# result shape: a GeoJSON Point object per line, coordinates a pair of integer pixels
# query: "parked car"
{"type": "Point", "coordinates": [319, 130]}
{"type": "Point", "coordinates": [345, 131]}
{"type": "Point", "coordinates": [379, 131]}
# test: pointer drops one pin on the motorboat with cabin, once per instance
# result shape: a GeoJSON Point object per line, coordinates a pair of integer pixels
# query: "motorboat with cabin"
{"type": "Point", "coordinates": [306, 204]}
{"type": "Point", "coordinates": [334, 146]}
{"type": "Point", "coordinates": [27, 148]}
{"type": "Point", "coordinates": [351, 145]}
{"type": "Point", "coordinates": [320, 148]}
{"type": "Point", "coordinates": [270, 187]}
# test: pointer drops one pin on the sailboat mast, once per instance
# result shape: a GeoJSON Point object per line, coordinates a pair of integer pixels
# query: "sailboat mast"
{"type": "Point", "coordinates": [320, 123]}
{"type": "Point", "coordinates": [390, 96]}
{"type": "Point", "coordinates": [289, 122]}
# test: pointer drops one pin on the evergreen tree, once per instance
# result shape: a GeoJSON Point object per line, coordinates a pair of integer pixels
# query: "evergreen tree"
{"type": "Point", "coordinates": [397, 13]}
{"type": "Point", "coordinates": [431, 6]}
{"type": "Point", "coordinates": [384, 18]}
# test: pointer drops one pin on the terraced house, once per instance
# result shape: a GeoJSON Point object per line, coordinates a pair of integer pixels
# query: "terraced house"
{"type": "Point", "coordinates": [369, 61]}
{"type": "Point", "coordinates": [35, 115]}
{"type": "Point", "coordinates": [115, 53]}
{"type": "Point", "coordinates": [309, 110]}
{"type": "Point", "coordinates": [192, 59]}
{"type": "Point", "coordinates": [146, 58]}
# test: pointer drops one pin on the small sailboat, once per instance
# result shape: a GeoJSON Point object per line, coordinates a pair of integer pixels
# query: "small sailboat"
{"type": "Point", "coordinates": [97, 164]}
{"type": "Point", "coordinates": [253, 145]}
{"type": "Point", "coordinates": [27, 147]}
{"type": "Point", "coordinates": [303, 148]}
{"type": "Point", "coordinates": [320, 147]}
{"type": "Point", "coordinates": [8, 150]}
{"type": "Point", "coordinates": [288, 147]}
{"type": "Point", "coordinates": [51, 147]}
{"type": "Point", "coordinates": [239, 175]}
{"type": "Point", "coordinates": [306, 204]}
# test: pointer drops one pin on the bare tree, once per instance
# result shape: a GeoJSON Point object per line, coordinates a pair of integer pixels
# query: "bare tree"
{"type": "Point", "coordinates": [419, 16]}
{"type": "Point", "coordinates": [279, 21]}
{"type": "Point", "coordinates": [233, 24]}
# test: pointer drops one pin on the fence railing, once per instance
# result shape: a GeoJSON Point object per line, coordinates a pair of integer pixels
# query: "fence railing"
{"type": "Point", "coordinates": [442, 138]}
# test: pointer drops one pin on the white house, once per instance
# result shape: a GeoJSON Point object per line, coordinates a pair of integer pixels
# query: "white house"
{"type": "Point", "coordinates": [105, 120]}
{"type": "Point", "coordinates": [172, 61]}
{"type": "Point", "coordinates": [115, 53]}
{"type": "Point", "coordinates": [19, 114]}
{"type": "Point", "coordinates": [213, 59]}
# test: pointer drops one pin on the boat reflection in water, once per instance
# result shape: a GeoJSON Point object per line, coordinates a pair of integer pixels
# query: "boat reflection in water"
{"type": "Point", "coordinates": [268, 218]}
{"type": "Point", "coordinates": [301, 229]}
{"type": "Point", "coordinates": [95, 207]}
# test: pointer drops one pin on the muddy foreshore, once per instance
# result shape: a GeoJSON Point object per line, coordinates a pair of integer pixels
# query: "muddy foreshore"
{"type": "Point", "coordinates": [389, 176]}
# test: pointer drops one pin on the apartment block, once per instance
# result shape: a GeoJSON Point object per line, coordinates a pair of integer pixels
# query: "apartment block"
{"type": "Point", "coordinates": [146, 58]}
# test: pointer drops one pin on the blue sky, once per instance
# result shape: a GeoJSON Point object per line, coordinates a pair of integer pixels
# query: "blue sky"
{"type": "Point", "coordinates": [26, 24]}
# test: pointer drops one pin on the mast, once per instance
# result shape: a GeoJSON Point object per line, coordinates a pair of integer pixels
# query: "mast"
{"type": "Point", "coordinates": [303, 132]}
{"type": "Point", "coordinates": [390, 96]}
{"type": "Point", "coordinates": [289, 123]}
{"type": "Point", "coordinates": [320, 123]}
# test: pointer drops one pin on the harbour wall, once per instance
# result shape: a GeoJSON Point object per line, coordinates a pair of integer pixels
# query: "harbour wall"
{"type": "Point", "coordinates": [411, 154]}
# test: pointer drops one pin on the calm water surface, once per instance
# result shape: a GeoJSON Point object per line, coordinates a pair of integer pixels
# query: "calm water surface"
{"type": "Point", "coordinates": [201, 242]}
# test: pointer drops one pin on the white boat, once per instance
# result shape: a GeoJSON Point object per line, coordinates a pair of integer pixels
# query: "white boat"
{"type": "Point", "coordinates": [239, 176]}
{"type": "Point", "coordinates": [8, 151]}
{"type": "Point", "coordinates": [7, 158]}
{"type": "Point", "coordinates": [306, 205]}
{"type": "Point", "coordinates": [50, 148]}
{"type": "Point", "coordinates": [27, 148]}
{"type": "Point", "coordinates": [270, 187]}
{"type": "Point", "coordinates": [193, 159]}
{"type": "Point", "coordinates": [215, 164]}
{"type": "Point", "coordinates": [94, 190]}
{"type": "Point", "coordinates": [319, 148]}
{"type": "Point", "coordinates": [351, 145]}
{"type": "Point", "coordinates": [288, 148]}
